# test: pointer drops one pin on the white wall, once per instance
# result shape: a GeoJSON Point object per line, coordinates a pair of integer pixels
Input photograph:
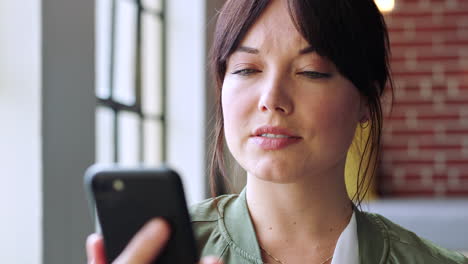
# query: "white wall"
{"type": "Point", "coordinates": [20, 167]}
{"type": "Point", "coordinates": [186, 93]}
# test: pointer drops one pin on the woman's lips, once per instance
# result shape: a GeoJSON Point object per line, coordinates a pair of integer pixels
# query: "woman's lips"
{"type": "Point", "coordinates": [269, 143]}
{"type": "Point", "coordinates": [274, 137]}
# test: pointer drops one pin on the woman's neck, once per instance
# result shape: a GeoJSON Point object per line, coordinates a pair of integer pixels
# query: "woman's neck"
{"type": "Point", "coordinates": [312, 212]}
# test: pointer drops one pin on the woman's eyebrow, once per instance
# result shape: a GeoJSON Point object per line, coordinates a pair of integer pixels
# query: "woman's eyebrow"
{"type": "Point", "coordinates": [247, 50]}
{"type": "Point", "coordinates": [250, 50]}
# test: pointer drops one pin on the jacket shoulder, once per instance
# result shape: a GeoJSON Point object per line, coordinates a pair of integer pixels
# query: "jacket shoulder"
{"type": "Point", "coordinates": [211, 209]}
{"type": "Point", "coordinates": [205, 217]}
{"type": "Point", "coordinates": [407, 247]}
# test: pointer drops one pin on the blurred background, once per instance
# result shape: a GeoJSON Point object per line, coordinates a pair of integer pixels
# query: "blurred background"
{"type": "Point", "coordinates": [126, 81]}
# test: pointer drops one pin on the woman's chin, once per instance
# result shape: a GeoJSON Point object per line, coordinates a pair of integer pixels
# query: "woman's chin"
{"type": "Point", "coordinates": [275, 174]}
{"type": "Point", "coordinates": [275, 171]}
{"type": "Point", "coordinates": [277, 180]}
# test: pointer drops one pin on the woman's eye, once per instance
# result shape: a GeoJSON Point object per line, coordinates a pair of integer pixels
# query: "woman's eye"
{"type": "Point", "coordinates": [245, 72]}
{"type": "Point", "coordinates": [314, 74]}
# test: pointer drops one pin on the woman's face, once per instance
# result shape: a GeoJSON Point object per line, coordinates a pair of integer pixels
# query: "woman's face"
{"type": "Point", "coordinates": [287, 111]}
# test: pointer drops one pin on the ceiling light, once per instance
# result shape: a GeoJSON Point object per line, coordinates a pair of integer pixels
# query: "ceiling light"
{"type": "Point", "coordinates": [385, 5]}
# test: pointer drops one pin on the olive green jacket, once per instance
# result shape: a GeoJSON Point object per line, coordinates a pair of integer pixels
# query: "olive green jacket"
{"type": "Point", "coordinates": [223, 228]}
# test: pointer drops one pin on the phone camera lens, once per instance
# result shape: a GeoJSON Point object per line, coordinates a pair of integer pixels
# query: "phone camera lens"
{"type": "Point", "coordinates": [118, 185]}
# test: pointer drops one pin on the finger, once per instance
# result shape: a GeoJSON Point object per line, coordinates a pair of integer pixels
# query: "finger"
{"type": "Point", "coordinates": [146, 245]}
{"type": "Point", "coordinates": [95, 249]}
{"type": "Point", "coordinates": [211, 260]}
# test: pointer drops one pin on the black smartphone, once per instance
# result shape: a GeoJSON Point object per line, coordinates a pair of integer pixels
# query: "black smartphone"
{"type": "Point", "coordinates": [125, 199]}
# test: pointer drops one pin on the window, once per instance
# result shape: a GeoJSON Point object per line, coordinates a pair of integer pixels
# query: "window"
{"type": "Point", "coordinates": [130, 87]}
{"type": "Point", "coordinates": [140, 93]}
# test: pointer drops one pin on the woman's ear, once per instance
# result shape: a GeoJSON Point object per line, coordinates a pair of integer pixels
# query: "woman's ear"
{"type": "Point", "coordinates": [364, 113]}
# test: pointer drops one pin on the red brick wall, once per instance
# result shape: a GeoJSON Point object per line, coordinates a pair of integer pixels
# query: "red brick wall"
{"type": "Point", "coordinates": [425, 142]}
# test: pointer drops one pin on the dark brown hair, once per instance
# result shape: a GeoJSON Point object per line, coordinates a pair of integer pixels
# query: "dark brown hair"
{"type": "Point", "coordinates": [350, 33]}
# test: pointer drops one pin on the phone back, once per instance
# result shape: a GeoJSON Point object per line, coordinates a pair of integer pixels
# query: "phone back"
{"type": "Point", "coordinates": [126, 199]}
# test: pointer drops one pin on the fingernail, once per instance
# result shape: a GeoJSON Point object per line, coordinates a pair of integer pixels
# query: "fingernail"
{"type": "Point", "coordinates": [92, 238]}
{"type": "Point", "coordinates": [156, 223]}
{"type": "Point", "coordinates": [157, 226]}
{"type": "Point", "coordinates": [210, 260]}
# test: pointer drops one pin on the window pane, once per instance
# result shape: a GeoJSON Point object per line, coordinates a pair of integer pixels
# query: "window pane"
{"type": "Point", "coordinates": [152, 5]}
{"type": "Point", "coordinates": [151, 68]}
{"type": "Point", "coordinates": [125, 51]}
{"type": "Point", "coordinates": [128, 141]}
{"type": "Point", "coordinates": [103, 29]}
{"type": "Point", "coordinates": [152, 142]}
{"type": "Point", "coordinates": [104, 135]}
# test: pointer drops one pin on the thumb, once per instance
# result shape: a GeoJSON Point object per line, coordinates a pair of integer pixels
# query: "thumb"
{"type": "Point", "coordinates": [146, 244]}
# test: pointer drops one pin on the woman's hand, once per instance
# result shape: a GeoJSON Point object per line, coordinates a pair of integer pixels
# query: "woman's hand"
{"type": "Point", "coordinates": [143, 248]}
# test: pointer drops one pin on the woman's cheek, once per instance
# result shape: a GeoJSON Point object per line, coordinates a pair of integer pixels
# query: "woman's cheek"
{"type": "Point", "coordinates": [230, 116]}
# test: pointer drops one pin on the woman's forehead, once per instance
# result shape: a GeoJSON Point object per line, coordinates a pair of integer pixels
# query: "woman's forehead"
{"type": "Point", "coordinates": [274, 29]}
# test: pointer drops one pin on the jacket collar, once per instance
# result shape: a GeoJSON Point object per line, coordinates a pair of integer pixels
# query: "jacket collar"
{"type": "Point", "coordinates": [372, 237]}
{"type": "Point", "coordinates": [239, 228]}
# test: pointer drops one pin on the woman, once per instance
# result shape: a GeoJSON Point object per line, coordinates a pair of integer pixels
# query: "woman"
{"type": "Point", "coordinates": [295, 79]}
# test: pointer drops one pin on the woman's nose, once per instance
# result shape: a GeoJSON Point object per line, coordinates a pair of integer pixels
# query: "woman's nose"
{"type": "Point", "coordinates": [275, 97]}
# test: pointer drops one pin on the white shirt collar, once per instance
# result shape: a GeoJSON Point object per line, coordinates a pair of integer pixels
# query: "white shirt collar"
{"type": "Point", "coordinates": [347, 247]}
